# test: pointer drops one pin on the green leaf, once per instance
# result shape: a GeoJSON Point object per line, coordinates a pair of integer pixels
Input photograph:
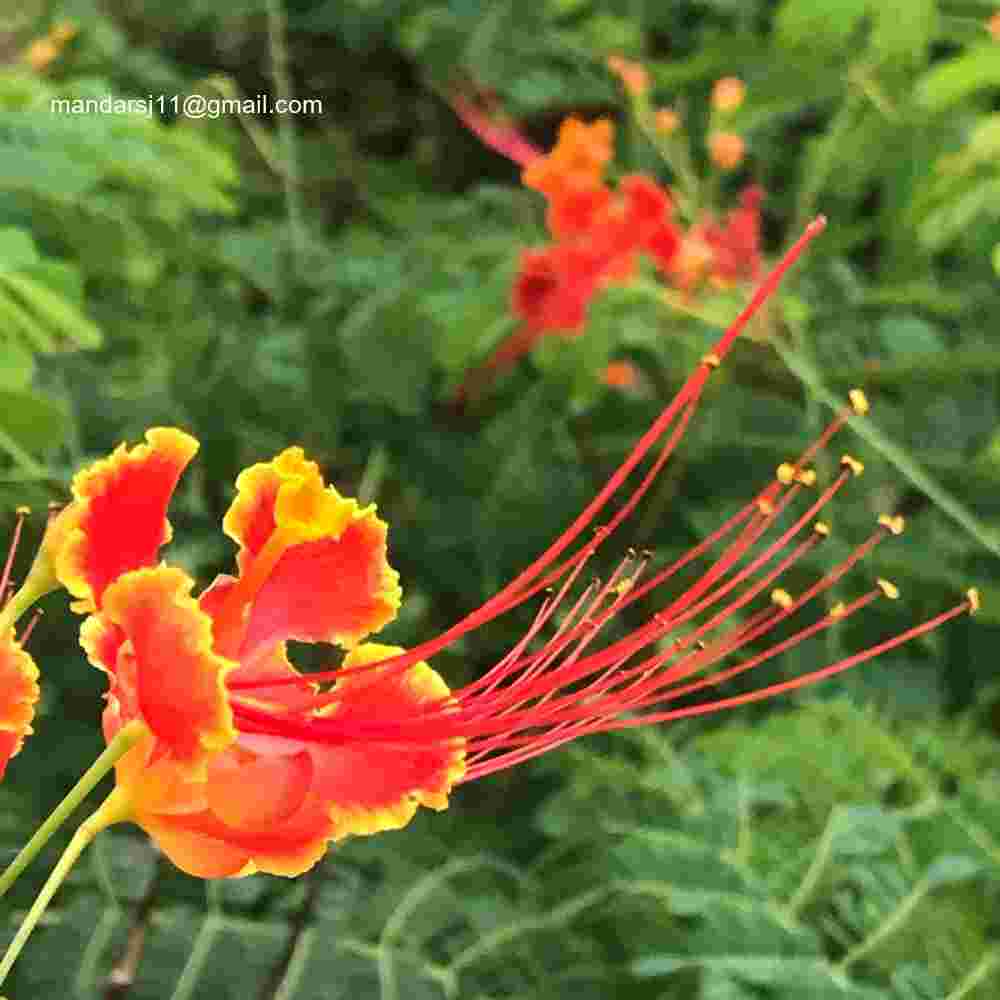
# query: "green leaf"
{"type": "Point", "coordinates": [17, 249]}
{"type": "Point", "coordinates": [904, 29]}
{"type": "Point", "coordinates": [17, 365]}
{"type": "Point", "coordinates": [48, 173]}
{"type": "Point", "coordinates": [863, 831]}
{"type": "Point", "coordinates": [55, 309]}
{"type": "Point", "coordinates": [905, 335]}
{"type": "Point", "coordinates": [952, 869]}
{"type": "Point", "coordinates": [976, 69]}
{"type": "Point", "coordinates": [35, 422]}
{"type": "Point", "coordinates": [820, 27]}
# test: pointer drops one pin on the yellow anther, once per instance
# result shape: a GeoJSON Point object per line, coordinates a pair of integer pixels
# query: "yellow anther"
{"type": "Point", "coordinates": [849, 462]}
{"type": "Point", "coordinates": [765, 506]}
{"type": "Point", "coordinates": [838, 610]}
{"type": "Point", "coordinates": [895, 523]}
{"type": "Point", "coordinates": [711, 360]}
{"type": "Point", "coordinates": [782, 598]}
{"type": "Point", "coordinates": [821, 528]}
{"type": "Point", "coordinates": [786, 473]}
{"type": "Point", "coordinates": [972, 596]}
{"type": "Point", "coordinates": [888, 588]}
{"type": "Point", "coordinates": [700, 644]}
{"type": "Point", "coordinates": [806, 477]}
{"type": "Point", "coordinates": [623, 587]}
{"type": "Point", "coordinates": [22, 511]}
{"type": "Point", "coordinates": [859, 402]}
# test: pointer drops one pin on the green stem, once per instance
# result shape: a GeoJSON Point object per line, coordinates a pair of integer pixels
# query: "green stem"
{"type": "Point", "coordinates": [291, 180]}
{"type": "Point", "coordinates": [117, 748]}
{"type": "Point", "coordinates": [903, 461]}
{"type": "Point", "coordinates": [115, 808]}
{"type": "Point", "coordinates": [893, 923]}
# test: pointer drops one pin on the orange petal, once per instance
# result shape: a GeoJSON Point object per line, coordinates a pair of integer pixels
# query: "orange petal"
{"type": "Point", "coordinates": [18, 694]}
{"type": "Point", "coordinates": [280, 505]}
{"type": "Point", "coordinates": [287, 492]}
{"type": "Point", "coordinates": [196, 852]}
{"type": "Point", "coordinates": [329, 590]}
{"type": "Point", "coordinates": [117, 521]}
{"type": "Point", "coordinates": [165, 669]}
{"type": "Point", "coordinates": [372, 786]}
{"type": "Point", "coordinates": [257, 793]}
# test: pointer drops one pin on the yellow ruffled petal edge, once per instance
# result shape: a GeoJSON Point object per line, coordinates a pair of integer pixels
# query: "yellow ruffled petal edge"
{"type": "Point", "coordinates": [18, 696]}
{"type": "Point", "coordinates": [166, 665]}
{"type": "Point", "coordinates": [117, 520]}
{"type": "Point", "coordinates": [393, 696]}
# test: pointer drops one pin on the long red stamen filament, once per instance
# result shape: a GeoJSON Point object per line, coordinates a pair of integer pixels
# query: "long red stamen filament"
{"type": "Point", "coordinates": [688, 396]}
{"type": "Point", "coordinates": [8, 565]}
{"type": "Point", "coordinates": [492, 697]}
{"type": "Point", "coordinates": [481, 713]}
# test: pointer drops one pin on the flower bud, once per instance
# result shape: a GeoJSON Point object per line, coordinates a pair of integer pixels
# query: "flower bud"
{"type": "Point", "coordinates": [633, 75]}
{"type": "Point", "coordinates": [726, 149]}
{"type": "Point", "coordinates": [728, 94]}
{"type": "Point", "coordinates": [667, 121]}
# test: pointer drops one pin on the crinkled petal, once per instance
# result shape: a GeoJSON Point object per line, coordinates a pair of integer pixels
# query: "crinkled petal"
{"type": "Point", "coordinates": [257, 793]}
{"type": "Point", "coordinates": [164, 669]}
{"type": "Point", "coordinates": [117, 521]}
{"type": "Point", "coordinates": [330, 590]}
{"type": "Point", "coordinates": [18, 695]}
{"type": "Point", "coordinates": [372, 786]}
{"type": "Point", "coordinates": [288, 492]}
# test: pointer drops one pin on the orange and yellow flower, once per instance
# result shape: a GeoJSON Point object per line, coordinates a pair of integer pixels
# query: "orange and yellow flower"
{"type": "Point", "coordinates": [18, 674]}
{"type": "Point", "coordinates": [18, 695]}
{"type": "Point", "coordinates": [245, 765]}
{"type": "Point", "coordinates": [312, 566]}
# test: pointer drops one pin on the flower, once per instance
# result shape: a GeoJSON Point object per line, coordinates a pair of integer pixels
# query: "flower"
{"type": "Point", "coordinates": [577, 161]}
{"type": "Point", "coordinates": [247, 765]}
{"type": "Point", "coordinates": [42, 52]}
{"type": "Point", "coordinates": [18, 674]}
{"type": "Point", "coordinates": [18, 695]}
{"type": "Point", "coordinates": [599, 234]}
{"type": "Point", "coordinates": [312, 566]}
{"type": "Point", "coordinates": [993, 26]}
{"type": "Point", "coordinates": [633, 75]}
{"type": "Point", "coordinates": [726, 150]}
{"type": "Point", "coordinates": [728, 94]}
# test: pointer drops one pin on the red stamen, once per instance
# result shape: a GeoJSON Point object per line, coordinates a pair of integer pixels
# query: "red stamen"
{"type": "Point", "coordinates": [686, 398]}
{"type": "Point", "coordinates": [6, 588]}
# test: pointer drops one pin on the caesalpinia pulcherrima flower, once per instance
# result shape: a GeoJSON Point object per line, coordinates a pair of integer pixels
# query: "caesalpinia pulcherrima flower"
{"type": "Point", "coordinates": [18, 673]}
{"type": "Point", "coordinates": [312, 567]}
{"type": "Point", "coordinates": [245, 765]}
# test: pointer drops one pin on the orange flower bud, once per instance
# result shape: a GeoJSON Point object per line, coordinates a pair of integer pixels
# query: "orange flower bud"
{"type": "Point", "coordinates": [41, 53]}
{"type": "Point", "coordinates": [726, 149]}
{"type": "Point", "coordinates": [993, 26]}
{"type": "Point", "coordinates": [621, 375]}
{"type": "Point", "coordinates": [633, 75]}
{"type": "Point", "coordinates": [728, 94]}
{"type": "Point", "coordinates": [667, 121]}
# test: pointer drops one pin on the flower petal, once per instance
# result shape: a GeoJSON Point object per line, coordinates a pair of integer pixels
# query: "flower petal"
{"type": "Point", "coordinates": [279, 787]}
{"type": "Point", "coordinates": [372, 786]}
{"type": "Point", "coordinates": [330, 590]}
{"type": "Point", "coordinates": [164, 670]}
{"type": "Point", "coordinates": [117, 521]}
{"type": "Point", "coordinates": [287, 492]}
{"type": "Point", "coordinates": [18, 694]}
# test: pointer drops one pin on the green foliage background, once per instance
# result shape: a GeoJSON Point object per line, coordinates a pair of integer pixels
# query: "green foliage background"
{"type": "Point", "coordinates": [326, 280]}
